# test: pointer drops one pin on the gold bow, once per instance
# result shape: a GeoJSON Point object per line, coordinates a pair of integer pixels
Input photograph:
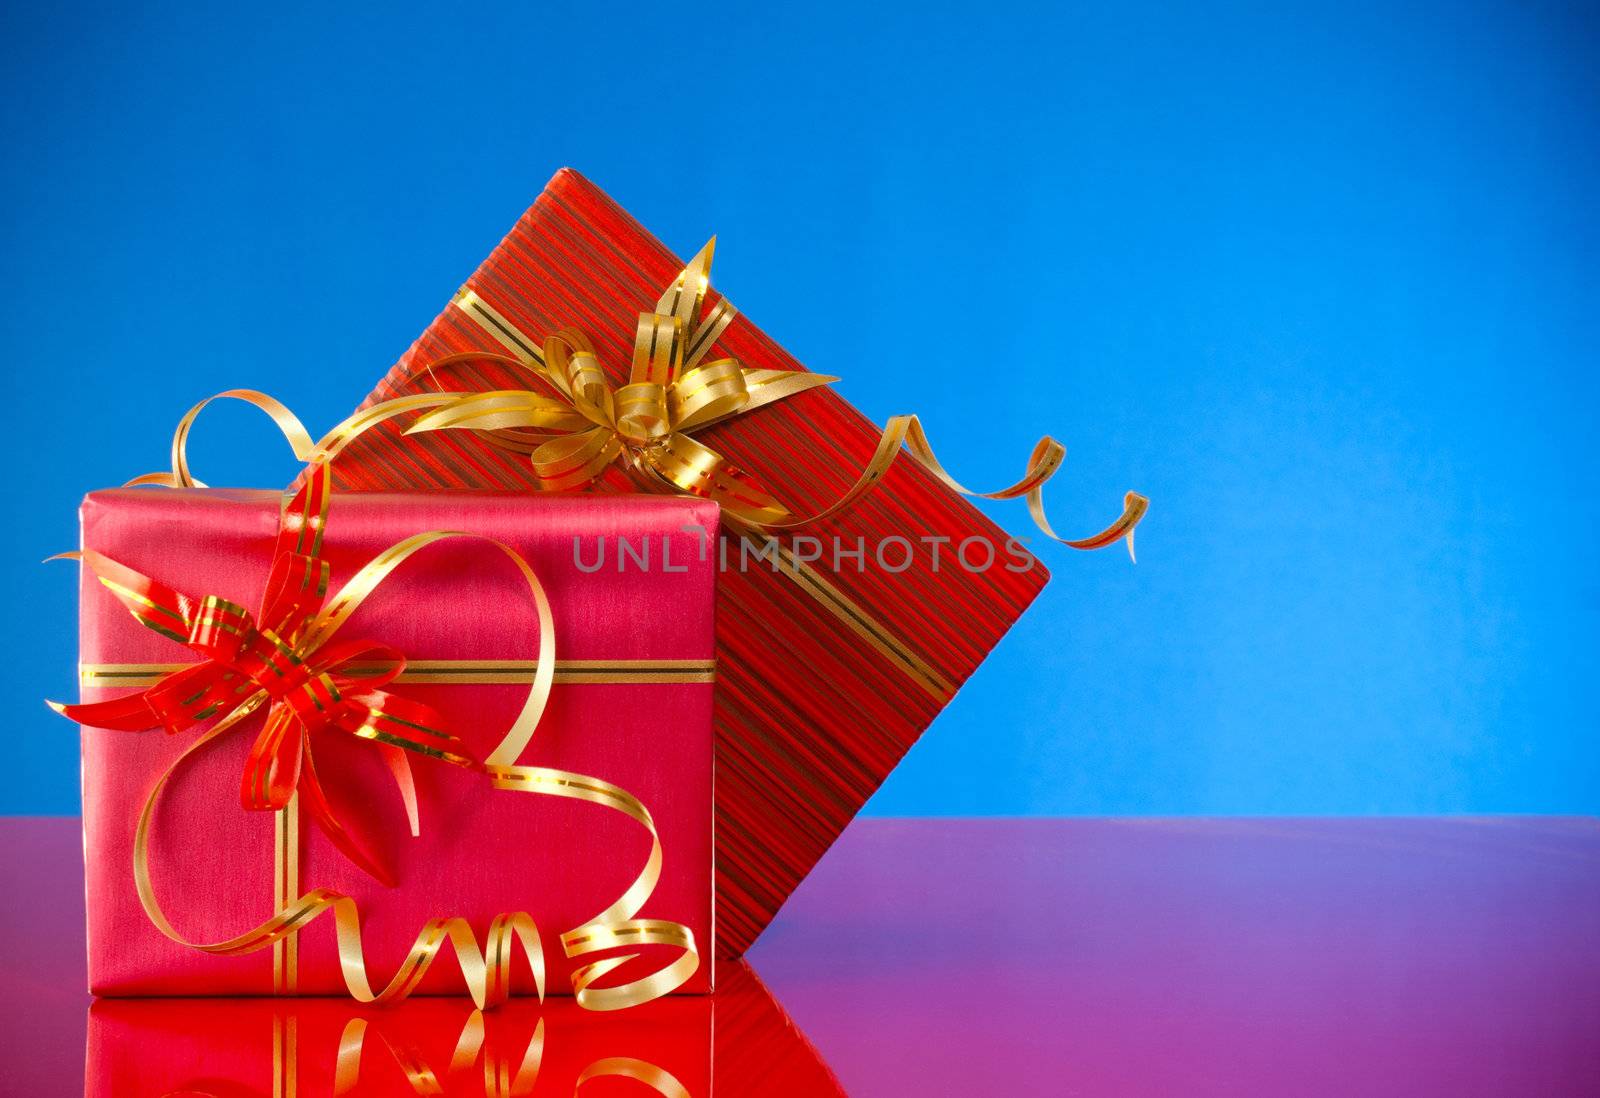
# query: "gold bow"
{"type": "Point", "coordinates": [645, 426]}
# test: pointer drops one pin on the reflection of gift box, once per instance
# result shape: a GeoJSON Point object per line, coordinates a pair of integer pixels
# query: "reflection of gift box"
{"type": "Point", "coordinates": [738, 1041]}
{"type": "Point", "coordinates": [829, 668]}
{"type": "Point", "coordinates": [630, 704]}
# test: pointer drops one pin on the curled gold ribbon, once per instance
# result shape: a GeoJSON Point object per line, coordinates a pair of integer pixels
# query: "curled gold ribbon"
{"type": "Point", "coordinates": [289, 425]}
{"type": "Point", "coordinates": [486, 971]}
{"type": "Point", "coordinates": [645, 426]}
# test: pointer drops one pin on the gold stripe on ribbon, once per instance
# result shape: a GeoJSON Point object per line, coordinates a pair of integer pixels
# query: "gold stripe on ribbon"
{"type": "Point", "coordinates": [285, 1056]}
{"type": "Point", "coordinates": [454, 672]}
{"type": "Point", "coordinates": [492, 321]}
{"type": "Point", "coordinates": [865, 626]}
{"type": "Point", "coordinates": [285, 887]}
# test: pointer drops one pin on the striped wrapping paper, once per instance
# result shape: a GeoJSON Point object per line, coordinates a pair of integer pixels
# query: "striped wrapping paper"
{"type": "Point", "coordinates": [826, 675]}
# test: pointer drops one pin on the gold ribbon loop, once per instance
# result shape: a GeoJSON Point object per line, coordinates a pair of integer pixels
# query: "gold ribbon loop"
{"type": "Point", "coordinates": [657, 348]}
{"type": "Point", "coordinates": [497, 411]}
{"type": "Point", "coordinates": [571, 461]}
{"type": "Point", "coordinates": [293, 431]}
{"type": "Point", "coordinates": [710, 330]}
{"type": "Point", "coordinates": [1047, 457]}
{"type": "Point", "coordinates": [686, 296]}
{"type": "Point", "coordinates": [708, 393]}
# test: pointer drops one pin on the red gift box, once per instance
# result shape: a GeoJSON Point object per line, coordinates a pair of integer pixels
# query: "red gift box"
{"type": "Point", "coordinates": [738, 1041]}
{"type": "Point", "coordinates": [630, 704]}
{"type": "Point", "coordinates": [828, 669]}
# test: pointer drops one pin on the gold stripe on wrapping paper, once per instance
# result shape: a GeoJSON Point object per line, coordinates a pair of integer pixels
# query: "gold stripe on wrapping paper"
{"type": "Point", "coordinates": [454, 672]}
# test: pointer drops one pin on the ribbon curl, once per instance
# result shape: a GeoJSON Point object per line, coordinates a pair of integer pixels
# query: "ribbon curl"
{"type": "Point", "coordinates": [646, 426]}
{"type": "Point", "coordinates": [286, 657]}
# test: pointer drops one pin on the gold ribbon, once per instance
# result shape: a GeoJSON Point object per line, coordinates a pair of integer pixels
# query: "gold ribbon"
{"type": "Point", "coordinates": [486, 972]}
{"type": "Point", "coordinates": [646, 426]}
{"type": "Point", "coordinates": [294, 432]}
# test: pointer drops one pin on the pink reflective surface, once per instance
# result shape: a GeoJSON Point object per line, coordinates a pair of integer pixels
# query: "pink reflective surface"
{"type": "Point", "coordinates": [1200, 957]}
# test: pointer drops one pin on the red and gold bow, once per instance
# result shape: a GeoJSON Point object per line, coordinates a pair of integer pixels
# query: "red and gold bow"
{"type": "Point", "coordinates": [673, 392]}
{"type": "Point", "coordinates": [285, 657]}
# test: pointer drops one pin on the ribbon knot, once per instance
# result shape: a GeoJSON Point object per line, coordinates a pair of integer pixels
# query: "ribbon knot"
{"type": "Point", "coordinates": [305, 679]}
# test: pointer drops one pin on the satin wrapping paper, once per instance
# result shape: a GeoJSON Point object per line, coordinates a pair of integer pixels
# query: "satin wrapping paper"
{"type": "Point", "coordinates": [481, 851]}
{"type": "Point", "coordinates": [810, 717]}
{"type": "Point", "coordinates": [736, 1042]}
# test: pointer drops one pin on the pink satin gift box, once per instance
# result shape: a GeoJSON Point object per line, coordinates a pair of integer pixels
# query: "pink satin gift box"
{"type": "Point", "coordinates": [631, 705]}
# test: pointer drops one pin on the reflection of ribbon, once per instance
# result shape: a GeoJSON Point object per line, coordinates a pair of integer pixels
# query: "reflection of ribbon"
{"type": "Point", "coordinates": [501, 1077]}
{"type": "Point", "coordinates": [286, 657]}
{"type": "Point", "coordinates": [504, 1075]}
{"type": "Point", "coordinates": [672, 393]}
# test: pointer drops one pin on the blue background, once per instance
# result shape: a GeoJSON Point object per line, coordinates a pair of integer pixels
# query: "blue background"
{"type": "Point", "coordinates": [1320, 280]}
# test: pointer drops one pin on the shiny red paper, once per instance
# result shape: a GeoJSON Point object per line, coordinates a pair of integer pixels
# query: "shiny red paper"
{"type": "Point", "coordinates": [481, 851]}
